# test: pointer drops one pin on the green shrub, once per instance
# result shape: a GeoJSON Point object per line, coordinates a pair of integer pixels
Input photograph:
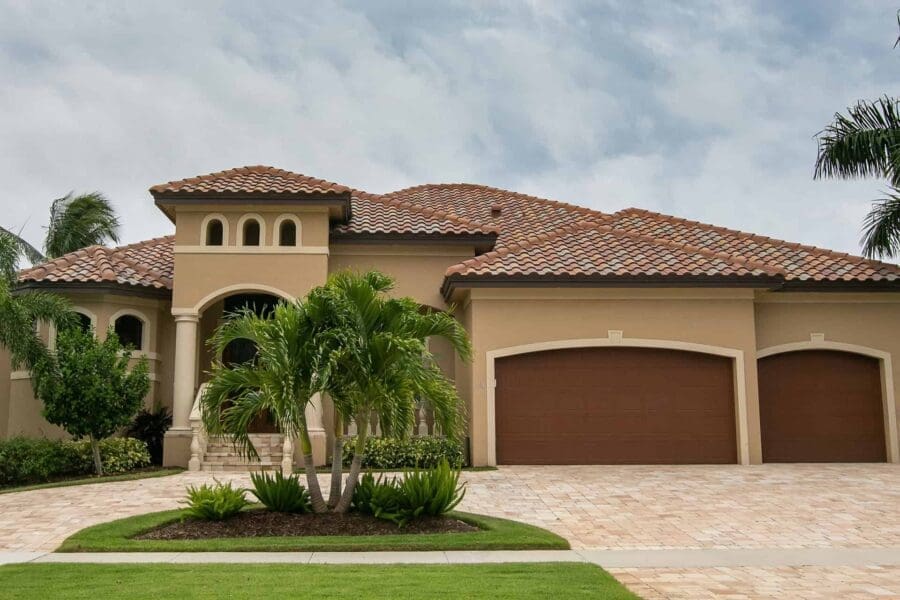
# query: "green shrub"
{"type": "Point", "coordinates": [150, 427]}
{"type": "Point", "coordinates": [419, 451]}
{"type": "Point", "coordinates": [214, 502]}
{"type": "Point", "coordinates": [280, 493]}
{"type": "Point", "coordinates": [25, 460]}
{"type": "Point", "coordinates": [427, 492]}
{"type": "Point", "coordinates": [120, 455]}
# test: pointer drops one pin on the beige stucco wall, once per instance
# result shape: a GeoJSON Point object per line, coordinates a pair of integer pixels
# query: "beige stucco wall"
{"type": "Point", "coordinates": [503, 318]}
{"type": "Point", "coordinates": [5, 370]}
{"type": "Point", "coordinates": [417, 268]}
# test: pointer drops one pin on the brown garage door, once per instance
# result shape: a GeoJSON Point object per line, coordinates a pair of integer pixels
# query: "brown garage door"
{"type": "Point", "coordinates": [821, 406]}
{"type": "Point", "coordinates": [614, 406]}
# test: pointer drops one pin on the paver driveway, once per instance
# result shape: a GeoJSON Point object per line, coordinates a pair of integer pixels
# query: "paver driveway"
{"type": "Point", "coordinates": [627, 507]}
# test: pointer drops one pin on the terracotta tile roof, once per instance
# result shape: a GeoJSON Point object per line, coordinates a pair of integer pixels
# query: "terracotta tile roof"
{"type": "Point", "coordinates": [599, 251]}
{"type": "Point", "coordinates": [374, 214]}
{"type": "Point", "coordinates": [146, 264]}
{"type": "Point", "coordinates": [516, 216]}
{"type": "Point", "coordinates": [256, 180]}
{"type": "Point", "coordinates": [799, 262]}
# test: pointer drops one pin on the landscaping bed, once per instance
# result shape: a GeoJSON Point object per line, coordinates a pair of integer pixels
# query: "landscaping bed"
{"type": "Point", "coordinates": [263, 523]}
{"type": "Point", "coordinates": [488, 533]}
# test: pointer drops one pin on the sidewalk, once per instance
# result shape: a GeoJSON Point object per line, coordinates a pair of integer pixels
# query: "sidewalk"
{"type": "Point", "coordinates": [663, 558]}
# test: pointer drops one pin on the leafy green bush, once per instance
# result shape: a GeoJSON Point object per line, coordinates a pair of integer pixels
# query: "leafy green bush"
{"type": "Point", "coordinates": [120, 455]}
{"type": "Point", "coordinates": [150, 426]}
{"type": "Point", "coordinates": [214, 502]}
{"type": "Point", "coordinates": [25, 460]}
{"type": "Point", "coordinates": [429, 492]}
{"type": "Point", "coordinates": [280, 493]}
{"type": "Point", "coordinates": [419, 451]}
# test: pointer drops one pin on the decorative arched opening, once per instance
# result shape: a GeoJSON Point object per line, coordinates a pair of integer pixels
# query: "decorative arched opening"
{"type": "Point", "coordinates": [129, 329]}
{"type": "Point", "coordinates": [287, 233]}
{"type": "Point", "coordinates": [251, 233]}
{"type": "Point", "coordinates": [215, 233]}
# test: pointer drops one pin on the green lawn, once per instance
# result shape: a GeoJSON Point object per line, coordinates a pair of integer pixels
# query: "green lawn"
{"type": "Point", "coordinates": [146, 474]}
{"type": "Point", "coordinates": [390, 582]}
{"type": "Point", "coordinates": [496, 534]}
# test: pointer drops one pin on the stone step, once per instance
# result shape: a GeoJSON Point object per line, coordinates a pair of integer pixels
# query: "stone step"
{"type": "Point", "coordinates": [216, 467]}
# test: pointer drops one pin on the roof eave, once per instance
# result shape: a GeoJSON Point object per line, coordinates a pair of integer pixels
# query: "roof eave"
{"type": "Point", "coordinates": [93, 287]}
{"type": "Point", "coordinates": [454, 282]}
{"type": "Point", "coordinates": [339, 201]}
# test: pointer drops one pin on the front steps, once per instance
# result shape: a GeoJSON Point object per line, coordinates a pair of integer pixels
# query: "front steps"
{"type": "Point", "coordinates": [222, 457]}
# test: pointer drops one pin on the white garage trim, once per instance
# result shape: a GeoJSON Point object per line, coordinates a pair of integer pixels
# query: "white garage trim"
{"type": "Point", "coordinates": [887, 381]}
{"type": "Point", "coordinates": [615, 339]}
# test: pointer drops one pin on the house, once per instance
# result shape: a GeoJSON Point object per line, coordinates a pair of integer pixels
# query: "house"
{"type": "Point", "coordinates": [631, 337]}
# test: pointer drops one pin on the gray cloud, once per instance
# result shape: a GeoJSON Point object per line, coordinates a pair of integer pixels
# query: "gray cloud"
{"type": "Point", "coordinates": [705, 110]}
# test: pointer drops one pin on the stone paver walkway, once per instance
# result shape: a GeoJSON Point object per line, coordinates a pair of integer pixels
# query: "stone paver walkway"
{"type": "Point", "coordinates": [606, 508]}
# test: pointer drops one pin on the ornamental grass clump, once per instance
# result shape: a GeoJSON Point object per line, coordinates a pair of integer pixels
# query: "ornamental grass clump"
{"type": "Point", "coordinates": [420, 493]}
{"type": "Point", "coordinates": [214, 502]}
{"type": "Point", "coordinates": [279, 493]}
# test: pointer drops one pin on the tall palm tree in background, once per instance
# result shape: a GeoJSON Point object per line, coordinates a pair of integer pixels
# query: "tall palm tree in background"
{"type": "Point", "coordinates": [866, 143]}
{"type": "Point", "coordinates": [75, 223]}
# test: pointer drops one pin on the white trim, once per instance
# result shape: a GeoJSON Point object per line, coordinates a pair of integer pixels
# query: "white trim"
{"type": "Point", "coordinates": [145, 327]}
{"type": "Point", "coordinates": [204, 233]}
{"type": "Point", "coordinates": [19, 375]}
{"type": "Point", "coordinates": [737, 356]}
{"type": "Point", "coordinates": [251, 250]}
{"type": "Point", "coordinates": [199, 307]}
{"type": "Point", "coordinates": [887, 381]}
{"type": "Point", "coordinates": [89, 314]}
{"type": "Point", "coordinates": [239, 230]}
{"type": "Point", "coordinates": [276, 231]}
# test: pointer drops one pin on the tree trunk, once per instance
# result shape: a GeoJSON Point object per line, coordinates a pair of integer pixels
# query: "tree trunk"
{"type": "Point", "coordinates": [337, 461]}
{"type": "Point", "coordinates": [95, 450]}
{"type": "Point", "coordinates": [312, 478]}
{"type": "Point", "coordinates": [355, 467]}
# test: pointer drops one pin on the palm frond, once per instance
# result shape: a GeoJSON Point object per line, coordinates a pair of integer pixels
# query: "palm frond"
{"type": "Point", "coordinates": [881, 228]}
{"type": "Point", "coordinates": [32, 254]}
{"type": "Point", "coordinates": [80, 221]}
{"type": "Point", "coordinates": [864, 143]}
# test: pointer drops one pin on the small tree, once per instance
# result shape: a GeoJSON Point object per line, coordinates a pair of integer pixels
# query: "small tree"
{"type": "Point", "coordinates": [90, 390]}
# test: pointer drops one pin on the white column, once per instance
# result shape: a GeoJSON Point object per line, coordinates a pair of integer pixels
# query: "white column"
{"type": "Point", "coordinates": [185, 370]}
{"type": "Point", "coordinates": [316, 428]}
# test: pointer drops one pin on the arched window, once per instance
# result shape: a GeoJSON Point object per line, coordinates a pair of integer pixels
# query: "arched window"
{"type": "Point", "coordinates": [215, 233]}
{"type": "Point", "coordinates": [287, 233]}
{"type": "Point", "coordinates": [130, 331]}
{"type": "Point", "coordinates": [251, 232]}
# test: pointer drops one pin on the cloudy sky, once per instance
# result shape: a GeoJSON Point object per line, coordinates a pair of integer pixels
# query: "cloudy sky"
{"type": "Point", "coordinates": [703, 110]}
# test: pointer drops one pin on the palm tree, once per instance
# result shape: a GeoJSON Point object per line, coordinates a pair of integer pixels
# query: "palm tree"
{"type": "Point", "coordinates": [280, 381]}
{"type": "Point", "coordinates": [75, 222]}
{"type": "Point", "coordinates": [866, 143]}
{"type": "Point", "coordinates": [20, 312]}
{"type": "Point", "coordinates": [379, 364]}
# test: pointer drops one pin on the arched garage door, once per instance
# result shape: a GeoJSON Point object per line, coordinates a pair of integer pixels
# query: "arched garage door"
{"type": "Point", "coordinates": [614, 406]}
{"type": "Point", "coordinates": [821, 406]}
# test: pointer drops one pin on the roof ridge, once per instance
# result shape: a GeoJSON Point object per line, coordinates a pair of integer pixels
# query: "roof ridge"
{"type": "Point", "coordinates": [566, 205]}
{"type": "Point", "coordinates": [259, 169]}
{"type": "Point", "coordinates": [425, 210]}
{"type": "Point", "coordinates": [756, 236]}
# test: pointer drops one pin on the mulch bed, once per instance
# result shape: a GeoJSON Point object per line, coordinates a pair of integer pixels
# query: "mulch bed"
{"type": "Point", "coordinates": [264, 523]}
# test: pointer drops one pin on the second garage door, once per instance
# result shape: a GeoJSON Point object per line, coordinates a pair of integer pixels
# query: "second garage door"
{"type": "Point", "coordinates": [614, 406]}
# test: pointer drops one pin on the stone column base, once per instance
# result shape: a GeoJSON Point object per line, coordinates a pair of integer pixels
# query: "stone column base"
{"type": "Point", "coordinates": [177, 448]}
{"type": "Point", "coordinates": [319, 442]}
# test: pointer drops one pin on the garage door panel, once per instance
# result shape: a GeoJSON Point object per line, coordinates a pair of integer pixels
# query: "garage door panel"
{"type": "Point", "coordinates": [821, 406]}
{"type": "Point", "coordinates": [614, 406]}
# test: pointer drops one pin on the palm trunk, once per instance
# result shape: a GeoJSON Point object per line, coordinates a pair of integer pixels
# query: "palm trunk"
{"type": "Point", "coordinates": [95, 451]}
{"type": "Point", "coordinates": [337, 461]}
{"type": "Point", "coordinates": [355, 467]}
{"type": "Point", "coordinates": [312, 478]}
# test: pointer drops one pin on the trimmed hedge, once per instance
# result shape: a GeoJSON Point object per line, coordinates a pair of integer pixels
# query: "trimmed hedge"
{"type": "Point", "coordinates": [27, 460]}
{"type": "Point", "coordinates": [419, 451]}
